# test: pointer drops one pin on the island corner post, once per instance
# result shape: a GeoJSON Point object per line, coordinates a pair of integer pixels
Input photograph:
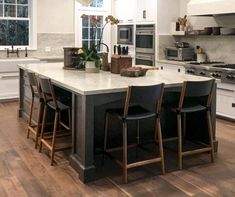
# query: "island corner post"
{"type": "Point", "coordinates": [83, 121]}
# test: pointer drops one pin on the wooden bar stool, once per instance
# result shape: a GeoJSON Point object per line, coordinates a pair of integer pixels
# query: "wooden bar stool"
{"type": "Point", "coordinates": [36, 92]}
{"type": "Point", "coordinates": [49, 139]}
{"type": "Point", "coordinates": [195, 97]}
{"type": "Point", "coordinates": [142, 102]}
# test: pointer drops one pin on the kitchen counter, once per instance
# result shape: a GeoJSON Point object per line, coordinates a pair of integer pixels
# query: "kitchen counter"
{"type": "Point", "coordinates": [181, 63]}
{"type": "Point", "coordinates": [91, 94]}
{"type": "Point", "coordinates": [104, 82]}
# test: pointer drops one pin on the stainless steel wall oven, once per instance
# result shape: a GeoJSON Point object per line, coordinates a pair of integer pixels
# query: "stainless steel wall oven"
{"type": "Point", "coordinates": [145, 39]}
{"type": "Point", "coordinates": [145, 59]}
{"type": "Point", "coordinates": [145, 45]}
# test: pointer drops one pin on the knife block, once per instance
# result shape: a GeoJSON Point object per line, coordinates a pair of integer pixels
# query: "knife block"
{"type": "Point", "coordinates": [118, 62]}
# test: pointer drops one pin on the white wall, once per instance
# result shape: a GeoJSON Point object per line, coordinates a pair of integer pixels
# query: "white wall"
{"type": "Point", "coordinates": [55, 16]}
{"type": "Point", "coordinates": [167, 11]}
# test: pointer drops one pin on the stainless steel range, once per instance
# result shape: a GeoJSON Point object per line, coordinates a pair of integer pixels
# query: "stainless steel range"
{"type": "Point", "coordinates": [217, 70]}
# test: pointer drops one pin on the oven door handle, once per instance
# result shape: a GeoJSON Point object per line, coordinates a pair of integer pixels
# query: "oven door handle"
{"type": "Point", "coordinates": [144, 57]}
{"type": "Point", "coordinates": [148, 33]}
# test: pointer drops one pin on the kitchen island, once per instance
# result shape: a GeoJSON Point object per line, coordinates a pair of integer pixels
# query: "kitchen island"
{"type": "Point", "coordinates": [91, 93]}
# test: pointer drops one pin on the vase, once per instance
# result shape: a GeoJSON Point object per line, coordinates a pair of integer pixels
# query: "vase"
{"type": "Point", "coordinates": [91, 68]}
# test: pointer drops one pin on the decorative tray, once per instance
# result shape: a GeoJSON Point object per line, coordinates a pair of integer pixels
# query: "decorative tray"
{"type": "Point", "coordinates": [133, 72]}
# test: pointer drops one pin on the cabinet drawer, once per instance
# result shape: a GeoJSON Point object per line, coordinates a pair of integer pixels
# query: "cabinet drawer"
{"type": "Point", "coordinates": [225, 106]}
{"type": "Point", "coordinates": [9, 86]}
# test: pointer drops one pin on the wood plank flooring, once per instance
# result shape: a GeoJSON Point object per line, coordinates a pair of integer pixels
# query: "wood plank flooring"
{"type": "Point", "coordinates": [25, 172]}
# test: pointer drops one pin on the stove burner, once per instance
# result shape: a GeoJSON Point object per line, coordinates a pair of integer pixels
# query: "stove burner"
{"type": "Point", "coordinates": [228, 66]}
{"type": "Point", "coordinates": [199, 63]}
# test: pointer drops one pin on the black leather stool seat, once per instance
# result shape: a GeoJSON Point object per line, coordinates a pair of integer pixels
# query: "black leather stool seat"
{"type": "Point", "coordinates": [134, 113]}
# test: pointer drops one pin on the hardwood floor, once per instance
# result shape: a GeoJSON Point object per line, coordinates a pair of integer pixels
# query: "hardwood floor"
{"type": "Point", "coordinates": [25, 172]}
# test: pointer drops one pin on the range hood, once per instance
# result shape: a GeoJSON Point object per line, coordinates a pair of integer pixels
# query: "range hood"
{"type": "Point", "coordinates": [210, 7]}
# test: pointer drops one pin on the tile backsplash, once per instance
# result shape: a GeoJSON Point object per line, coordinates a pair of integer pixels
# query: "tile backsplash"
{"type": "Point", "coordinates": [217, 48]}
{"type": "Point", "coordinates": [49, 45]}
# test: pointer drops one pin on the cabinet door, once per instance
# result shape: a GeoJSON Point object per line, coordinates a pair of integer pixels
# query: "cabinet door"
{"type": "Point", "coordinates": [225, 103]}
{"type": "Point", "coordinates": [146, 10]}
{"type": "Point", "coordinates": [125, 10]}
{"type": "Point", "coordinates": [172, 68]}
{"type": "Point", "coordinates": [9, 86]}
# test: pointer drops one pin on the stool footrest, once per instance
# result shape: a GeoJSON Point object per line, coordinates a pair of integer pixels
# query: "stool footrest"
{"type": "Point", "coordinates": [192, 152]}
{"type": "Point", "coordinates": [120, 148]}
{"type": "Point", "coordinates": [63, 148]}
{"type": "Point", "coordinates": [144, 162]}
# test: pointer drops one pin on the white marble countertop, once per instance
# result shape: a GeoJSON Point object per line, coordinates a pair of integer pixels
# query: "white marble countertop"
{"type": "Point", "coordinates": [104, 82]}
{"type": "Point", "coordinates": [181, 63]}
{"type": "Point", "coordinates": [15, 59]}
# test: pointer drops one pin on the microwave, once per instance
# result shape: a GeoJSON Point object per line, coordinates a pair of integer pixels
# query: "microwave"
{"type": "Point", "coordinates": [180, 54]}
{"type": "Point", "coordinates": [125, 34]}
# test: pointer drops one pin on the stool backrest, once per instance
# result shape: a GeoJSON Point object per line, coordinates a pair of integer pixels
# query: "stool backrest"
{"type": "Point", "coordinates": [34, 84]}
{"type": "Point", "coordinates": [197, 89]}
{"type": "Point", "coordinates": [48, 90]}
{"type": "Point", "coordinates": [148, 97]}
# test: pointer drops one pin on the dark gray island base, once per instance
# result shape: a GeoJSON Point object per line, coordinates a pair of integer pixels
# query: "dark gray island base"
{"type": "Point", "coordinates": [88, 111]}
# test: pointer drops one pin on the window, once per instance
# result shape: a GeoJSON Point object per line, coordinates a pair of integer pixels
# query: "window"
{"type": "Point", "coordinates": [14, 22]}
{"type": "Point", "coordinates": [96, 4]}
{"type": "Point", "coordinates": [91, 30]}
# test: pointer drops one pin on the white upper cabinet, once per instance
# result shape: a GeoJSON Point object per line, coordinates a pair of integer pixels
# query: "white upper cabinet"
{"type": "Point", "coordinates": [128, 11]}
{"type": "Point", "coordinates": [125, 10]}
{"type": "Point", "coordinates": [146, 10]}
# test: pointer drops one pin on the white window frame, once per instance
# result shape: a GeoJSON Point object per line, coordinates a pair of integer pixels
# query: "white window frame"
{"type": "Point", "coordinates": [32, 28]}
{"type": "Point", "coordinates": [80, 10]}
{"type": "Point", "coordinates": [105, 7]}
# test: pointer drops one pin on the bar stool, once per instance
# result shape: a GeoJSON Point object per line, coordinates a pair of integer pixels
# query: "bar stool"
{"type": "Point", "coordinates": [36, 92]}
{"type": "Point", "coordinates": [196, 96]}
{"type": "Point", "coordinates": [142, 102]}
{"type": "Point", "coordinates": [49, 140]}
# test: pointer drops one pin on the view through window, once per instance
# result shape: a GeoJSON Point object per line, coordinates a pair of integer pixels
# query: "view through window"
{"type": "Point", "coordinates": [14, 22]}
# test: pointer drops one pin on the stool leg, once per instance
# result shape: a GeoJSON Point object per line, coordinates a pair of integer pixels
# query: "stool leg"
{"type": "Point", "coordinates": [124, 151]}
{"type": "Point", "coordinates": [138, 132]}
{"type": "Point", "coordinates": [106, 131]}
{"type": "Point", "coordinates": [137, 137]}
{"type": "Point", "coordinates": [57, 115]}
{"type": "Point", "coordinates": [43, 127]}
{"type": "Point", "coordinates": [69, 118]}
{"type": "Point", "coordinates": [38, 123]}
{"type": "Point", "coordinates": [159, 131]}
{"type": "Point", "coordinates": [179, 141]}
{"type": "Point", "coordinates": [105, 135]}
{"type": "Point", "coordinates": [210, 135]}
{"type": "Point", "coordinates": [30, 115]}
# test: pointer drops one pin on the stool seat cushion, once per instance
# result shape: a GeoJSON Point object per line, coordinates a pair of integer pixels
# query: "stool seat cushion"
{"type": "Point", "coordinates": [60, 105]}
{"type": "Point", "coordinates": [134, 113]}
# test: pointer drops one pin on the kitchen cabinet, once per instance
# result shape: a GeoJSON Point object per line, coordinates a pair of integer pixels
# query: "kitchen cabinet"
{"type": "Point", "coordinates": [9, 77]}
{"type": "Point", "coordinates": [129, 11]}
{"type": "Point", "coordinates": [125, 10]}
{"type": "Point", "coordinates": [146, 10]}
{"type": "Point", "coordinates": [171, 68]}
{"type": "Point", "coordinates": [226, 100]}
{"type": "Point", "coordinates": [9, 83]}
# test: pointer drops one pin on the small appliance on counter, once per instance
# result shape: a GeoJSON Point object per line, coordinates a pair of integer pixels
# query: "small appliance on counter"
{"type": "Point", "coordinates": [179, 54]}
{"type": "Point", "coordinates": [182, 44]}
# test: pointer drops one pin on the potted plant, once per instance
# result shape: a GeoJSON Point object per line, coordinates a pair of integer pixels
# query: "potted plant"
{"type": "Point", "coordinates": [92, 59]}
